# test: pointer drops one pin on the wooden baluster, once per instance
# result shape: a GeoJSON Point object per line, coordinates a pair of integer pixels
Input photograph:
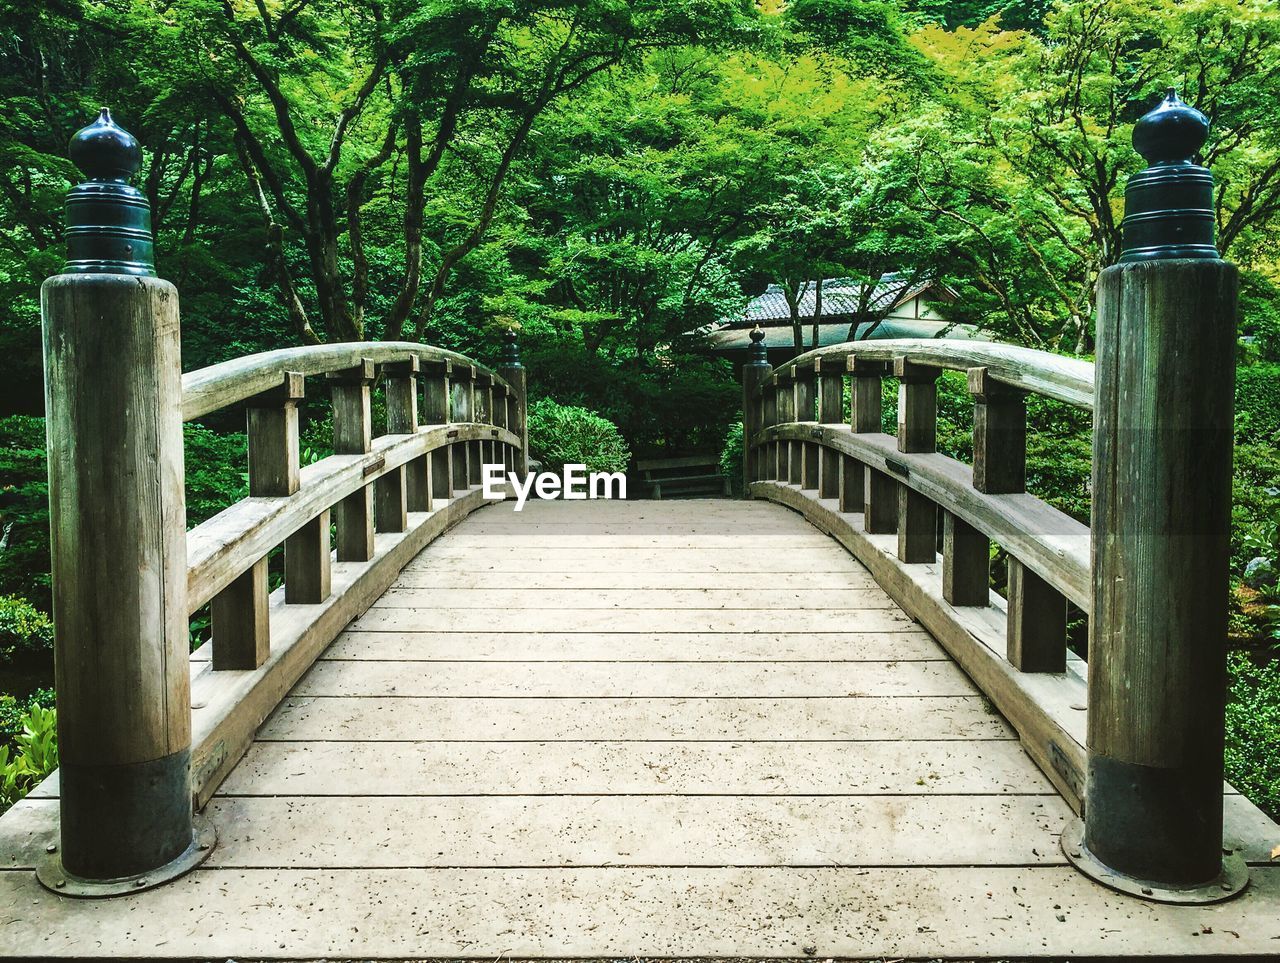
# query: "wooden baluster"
{"type": "Point", "coordinates": [805, 474]}
{"type": "Point", "coordinates": [239, 621]}
{"type": "Point", "coordinates": [353, 435]}
{"type": "Point", "coordinates": [767, 470]}
{"type": "Point", "coordinates": [999, 434]}
{"type": "Point", "coordinates": [475, 448]}
{"type": "Point", "coordinates": [460, 400]}
{"type": "Point", "coordinates": [436, 396]}
{"type": "Point", "coordinates": [852, 482]}
{"type": "Point", "coordinates": [880, 503]}
{"type": "Point", "coordinates": [785, 404]}
{"type": "Point", "coordinates": [917, 406]}
{"type": "Point", "coordinates": [513, 372]}
{"type": "Point", "coordinates": [917, 432]}
{"type": "Point", "coordinates": [482, 395]}
{"type": "Point", "coordinates": [878, 500]}
{"type": "Point", "coordinates": [755, 411]}
{"type": "Point", "coordinates": [402, 419]}
{"type": "Point", "coordinates": [501, 414]}
{"type": "Point", "coordinates": [272, 424]}
{"type": "Point", "coordinates": [308, 563]}
{"type": "Point", "coordinates": [391, 490]}
{"type": "Point", "coordinates": [866, 387]}
{"type": "Point", "coordinates": [830, 376]}
{"type": "Point", "coordinates": [966, 563]}
{"type": "Point", "coordinates": [1037, 631]}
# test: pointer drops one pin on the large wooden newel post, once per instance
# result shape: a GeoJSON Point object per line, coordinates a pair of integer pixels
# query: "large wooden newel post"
{"type": "Point", "coordinates": [113, 396]}
{"type": "Point", "coordinates": [1161, 514]}
{"type": "Point", "coordinates": [513, 372]}
{"type": "Point", "coordinates": [754, 373]}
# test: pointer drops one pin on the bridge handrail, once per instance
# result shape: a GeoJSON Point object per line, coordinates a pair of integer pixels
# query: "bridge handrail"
{"type": "Point", "coordinates": [227, 383]}
{"type": "Point", "coordinates": [809, 448]}
{"type": "Point", "coordinates": [386, 496]}
{"type": "Point", "coordinates": [1069, 380]}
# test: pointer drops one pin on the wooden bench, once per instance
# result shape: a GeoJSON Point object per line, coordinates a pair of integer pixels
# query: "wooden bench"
{"type": "Point", "coordinates": [689, 476]}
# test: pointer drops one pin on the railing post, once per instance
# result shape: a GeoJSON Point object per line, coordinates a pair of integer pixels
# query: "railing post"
{"type": "Point", "coordinates": [481, 399]}
{"type": "Point", "coordinates": [830, 376]}
{"type": "Point", "coordinates": [436, 398]}
{"type": "Point", "coordinates": [501, 412]}
{"type": "Point", "coordinates": [785, 406]}
{"type": "Point", "coordinates": [307, 564]}
{"type": "Point", "coordinates": [768, 455]}
{"type": "Point", "coordinates": [805, 474]}
{"type": "Point", "coordinates": [461, 385]}
{"type": "Point", "coordinates": [999, 434]}
{"type": "Point", "coordinates": [1160, 527]}
{"type": "Point", "coordinates": [402, 419]}
{"type": "Point", "coordinates": [880, 492]}
{"type": "Point", "coordinates": [966, 563]}
{"type": "Point", "coordinates": [391, 489]}
{"type": "Point", "coordinates": [1037, 622]}
{"type": "Point", "coordinates": [513, 372]}
{"type": "Point", "coordinates": [754, 373]}
{"type": "Point", "coordinates": [917, 432]}
{"type": "Point", "coordinates": [113, 397]}
{"type": "Point", "coordinates": [241, 628]}
{"type": "Point", "coordinates": [353, 435]}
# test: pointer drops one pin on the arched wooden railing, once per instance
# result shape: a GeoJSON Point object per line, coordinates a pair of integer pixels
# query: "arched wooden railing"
{"type": "Point", "coordinates": [923, 523]}
{"type": "Point", "coordinates": [893, 501]}
{"type": "Point", "coordinates": [386, 497]}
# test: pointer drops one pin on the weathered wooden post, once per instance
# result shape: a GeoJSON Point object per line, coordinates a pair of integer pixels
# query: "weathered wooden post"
{"type": "Point", "coordinates": [436, 398]}
{"type": "Point", "coordinates": [353, 435]}
{"type": "Point", "coordinates": [830, 412]}
{"type": "Point", "coordinates": [917, 432]}
{"type": "Point", "coordinates": [754, 373]}
{"type": "Point", "coordinates": [113, 400]}
{"type": "Point", "coordinates": [1161, 511]}
{"type": "Point", "coordinates": [513, 372]}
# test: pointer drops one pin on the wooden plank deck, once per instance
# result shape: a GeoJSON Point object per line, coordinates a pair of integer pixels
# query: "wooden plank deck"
{"type": "Point", "coordinates": [625, 729]}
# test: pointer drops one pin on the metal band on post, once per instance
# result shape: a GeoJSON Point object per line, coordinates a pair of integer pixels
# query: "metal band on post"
{"type": "Point", "coordinates": [113, 396]}
{"type": "Point", "coordinates": [1160, 529]}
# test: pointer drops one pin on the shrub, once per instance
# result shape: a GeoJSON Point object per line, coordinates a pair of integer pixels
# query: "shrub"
{"type": "Point", "coordinates": [24, 629]}
{"type": "Point", "coordinates": [24, 510]}
{"type": "Point", "coordinates": [217, 467]}
{"type": "Point", "coordinates": [1253, 731]}
{"type": "Point", "coordinates": [32, 756]}
{"type": "Point", "coordinates": [562, 435]}
{"type": "Point", "coordinates": [731, 456]}
{"type": "Point", "coordinates": [1257, 402]}
{"type": "Point", "coordinates": [14, 710]}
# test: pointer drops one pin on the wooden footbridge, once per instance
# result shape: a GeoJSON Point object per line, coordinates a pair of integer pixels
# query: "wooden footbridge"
{"type": "Point", "coordinates": [794, 725]}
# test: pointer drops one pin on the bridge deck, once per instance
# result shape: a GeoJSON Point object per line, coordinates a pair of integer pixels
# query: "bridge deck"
{"type": "Point", "coordinates": [645, 728]}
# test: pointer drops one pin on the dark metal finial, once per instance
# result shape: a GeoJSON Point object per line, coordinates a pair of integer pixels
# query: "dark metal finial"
{"type": "Point", "coordinates": [757, 354]}
{"type": "Point", "coordinates": [108, 220]}
{"type": "Point", "coordinates": [510, 349]}
{"type": "Point", "coordinates": [1168, 207]}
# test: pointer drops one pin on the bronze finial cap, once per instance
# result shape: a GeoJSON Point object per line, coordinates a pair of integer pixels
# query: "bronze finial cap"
{"type": "Point", "coordinates": [510, 349]}
{"type": "Point", "coordinates": [108, 220]}
{"type": "Point", "coordinates": [757, 354]}
{"type": "Point", "coordinates": [1168, 207]}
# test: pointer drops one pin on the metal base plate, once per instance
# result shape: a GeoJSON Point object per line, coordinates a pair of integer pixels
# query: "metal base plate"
{"type": "Point", "coordinates": [1230, 882]}
{"type": "Point", "coordinates": [53, 877]}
